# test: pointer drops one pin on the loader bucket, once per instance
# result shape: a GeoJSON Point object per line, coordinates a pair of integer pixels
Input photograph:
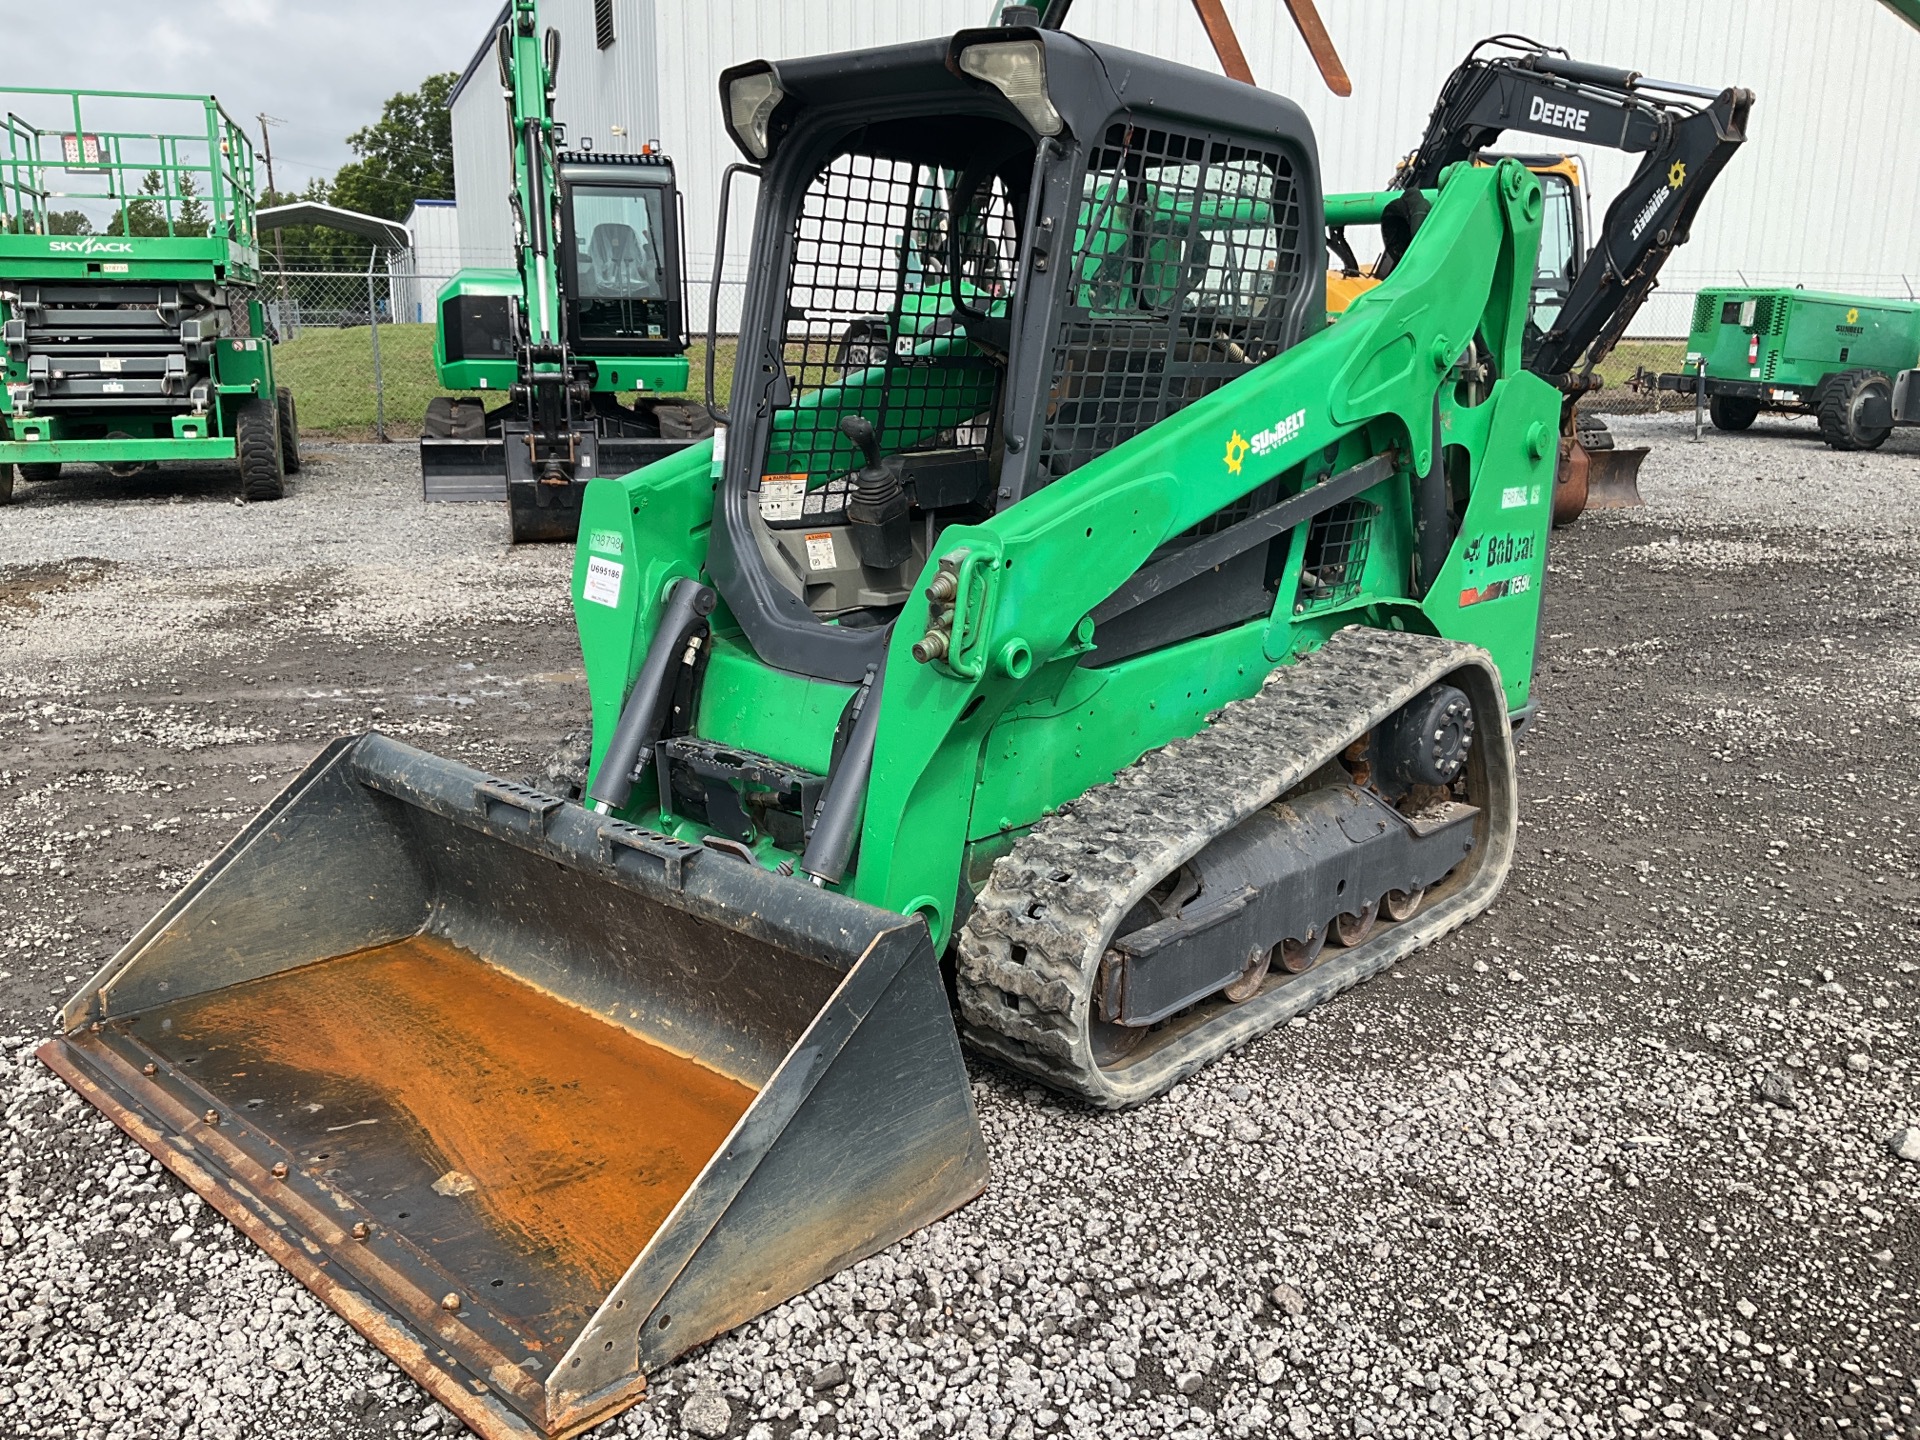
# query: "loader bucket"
{"type": "Point", "coordinates": [536, 1099]}
{"type": "Point", "coordinates": [1613, 478]}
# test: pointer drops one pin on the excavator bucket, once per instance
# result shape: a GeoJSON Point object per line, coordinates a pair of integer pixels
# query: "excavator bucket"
{"type": "Point", "coordinates": [1595, 475]}
{"type": "Point", "coordinates": [536, 1099]}
{"type": "Point", "coordinates": [1613, 478]}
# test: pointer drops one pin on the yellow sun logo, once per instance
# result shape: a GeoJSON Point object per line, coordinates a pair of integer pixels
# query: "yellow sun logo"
{"type": "Point", "coordinates": [1237, 449]}
{"type": "Point", "coordinates": [1676, 175]}
{"type": "Point", "coordinates": [1853, 317]}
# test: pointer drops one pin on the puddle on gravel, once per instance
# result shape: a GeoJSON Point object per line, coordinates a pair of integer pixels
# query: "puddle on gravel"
{"type": "Point", "coordinates": [23, 586]}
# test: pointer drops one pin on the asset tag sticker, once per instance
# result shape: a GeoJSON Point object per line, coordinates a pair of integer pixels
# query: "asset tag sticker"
{"type": "Point", "coordinates": [820, 554]}
{"type": "Point", "coordinates": [110, 364]}
{"type": "Point", "coordinates": [1513, 497]}
{"type": "Point", "coordinates": [609, 542]}
{"type": "Point", "coordinates": [113, 267]}
{"type": "Point", "coordinates": [603, 581]}
{"type": "Point", "coordinates": [781, 497]}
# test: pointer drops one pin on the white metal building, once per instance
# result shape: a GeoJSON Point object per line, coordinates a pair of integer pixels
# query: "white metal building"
{"type": "Point", "coordinates": [609, 91]}
{"type": "Point", "coordinates": [1812, 199]}
{"type": "Point", "coordinates": [432, 255]}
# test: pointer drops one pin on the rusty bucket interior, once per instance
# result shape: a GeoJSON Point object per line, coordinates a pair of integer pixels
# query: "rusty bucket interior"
{"type": "Point", "coordinates": [537, 1100]}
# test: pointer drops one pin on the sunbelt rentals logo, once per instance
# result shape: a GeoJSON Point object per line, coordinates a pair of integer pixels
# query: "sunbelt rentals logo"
{"type": "Point", "coordinates": [1269, 439]}
{"type": "Point", "coordinates": [91, 245]}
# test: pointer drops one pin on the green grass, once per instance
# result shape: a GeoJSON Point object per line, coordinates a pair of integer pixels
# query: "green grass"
{"type": "Point", "coordinates": [331, 375]}
{"type": "Point", "coordinates": [1629, 355]}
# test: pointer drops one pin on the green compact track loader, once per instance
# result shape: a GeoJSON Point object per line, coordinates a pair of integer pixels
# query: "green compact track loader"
{"type": "Point", "coordinates": [1839, 358]}
{"type": "Point", "coordinates": [129, 269]}
{"type": "Point", "coordinates": [1130, 643]}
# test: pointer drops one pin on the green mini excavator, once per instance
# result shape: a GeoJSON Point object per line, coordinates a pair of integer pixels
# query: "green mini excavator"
{"type": "Point", "coordinates": [594, 310]}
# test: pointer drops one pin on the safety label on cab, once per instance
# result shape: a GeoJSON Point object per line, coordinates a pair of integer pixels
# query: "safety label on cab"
{"type": "Point", "coordinates": [603, 581]}
{"type": "Point", "coordinates": [781, 497]}
{"type": "Point", "coordinates": [820, 554]}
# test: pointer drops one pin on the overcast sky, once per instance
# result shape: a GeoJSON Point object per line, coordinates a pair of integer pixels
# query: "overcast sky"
{"type": "Point", "coordinates": [323, 66]}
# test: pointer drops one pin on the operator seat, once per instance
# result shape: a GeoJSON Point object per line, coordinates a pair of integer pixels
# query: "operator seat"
{"type": "Point", "coordinates": [622, 265]}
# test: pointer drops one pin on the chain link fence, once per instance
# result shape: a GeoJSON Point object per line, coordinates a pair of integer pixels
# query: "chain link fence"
{"type": "Point", "coordinates": [356, 349]}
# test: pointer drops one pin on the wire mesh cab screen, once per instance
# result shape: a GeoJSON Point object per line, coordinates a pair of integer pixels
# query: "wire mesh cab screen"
{"type": "Point", "coordinates": [1187, 258]}
{"type": "Point", "coordinates": [901, 273]}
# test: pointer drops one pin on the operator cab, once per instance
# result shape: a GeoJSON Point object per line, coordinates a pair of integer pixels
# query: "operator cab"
{"type": "Point", "coordinates": [977, 268]}
{"type": "Point", "coordinates": [1563, 232]}
{"type": "Point", "coordinates": [620, 255]}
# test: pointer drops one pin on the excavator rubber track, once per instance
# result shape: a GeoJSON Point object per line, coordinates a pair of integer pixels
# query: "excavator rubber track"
{"type": "Point", "coordinates": [1030, 951]}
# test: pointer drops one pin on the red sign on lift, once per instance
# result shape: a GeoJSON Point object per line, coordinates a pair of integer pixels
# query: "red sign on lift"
{"type": "Point", "coordinates": [81, 151]}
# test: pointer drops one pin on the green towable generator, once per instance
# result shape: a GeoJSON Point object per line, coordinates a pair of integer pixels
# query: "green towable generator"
{"type": "Point", "coordinates": [1838, 358]}
{"type": "Point", "coordinates": [128, 275]}
{"type": "Point", "coordinates": [1101, 675]}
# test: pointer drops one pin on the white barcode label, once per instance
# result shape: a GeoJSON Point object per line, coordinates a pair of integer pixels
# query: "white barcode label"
{"type": "Point", "coordinates": [603, 581]}
{"type": "Point", "coordinates": [820, 552]}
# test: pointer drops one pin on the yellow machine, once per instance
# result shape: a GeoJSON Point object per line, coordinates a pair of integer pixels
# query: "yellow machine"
{"type": "Point", "coordinates": [1563, 240]}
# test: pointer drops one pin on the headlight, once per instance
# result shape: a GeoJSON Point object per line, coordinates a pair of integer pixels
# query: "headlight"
{"type": "Point", "coordinates": [1018, 70]}
{"type": "Point", "coordinates": [751, 101]}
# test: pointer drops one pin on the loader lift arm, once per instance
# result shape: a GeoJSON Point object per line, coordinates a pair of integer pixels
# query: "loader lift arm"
{"type": "Point", "coordinates": [1685, 135]}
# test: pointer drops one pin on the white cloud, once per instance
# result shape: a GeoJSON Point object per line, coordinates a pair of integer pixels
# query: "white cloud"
{"type": "Point", "coordinates": [324, 68]}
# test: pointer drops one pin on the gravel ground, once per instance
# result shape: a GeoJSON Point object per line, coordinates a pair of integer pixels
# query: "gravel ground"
{"type": "Point", "coordinates": [1629, 1156]}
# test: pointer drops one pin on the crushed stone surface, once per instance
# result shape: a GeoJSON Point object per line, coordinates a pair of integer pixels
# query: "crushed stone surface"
{"type": "Point", "coordinates": [1634, 1154]}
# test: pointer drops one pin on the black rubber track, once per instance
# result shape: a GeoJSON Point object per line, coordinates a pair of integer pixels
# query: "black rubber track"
{"type": "Point", "coordinates": [1032, 946]}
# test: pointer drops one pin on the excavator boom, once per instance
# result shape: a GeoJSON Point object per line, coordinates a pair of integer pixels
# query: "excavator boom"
{"type": "Point", "coordinates": [1684, 134]}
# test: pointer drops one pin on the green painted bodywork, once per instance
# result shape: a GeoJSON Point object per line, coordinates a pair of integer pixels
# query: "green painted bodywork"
{"type": "Point", "coordinates": [1803, 335]}
{"type": "Point", "coordinates": [973, 749]}
{"type": "Point", "coordinates": [203, 148]}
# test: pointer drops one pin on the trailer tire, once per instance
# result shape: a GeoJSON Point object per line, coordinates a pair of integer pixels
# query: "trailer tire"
{"type": "Point", "coordinates": [42, 472]}
{"type": "Point", "coordinates": [1732, 412]}
{"type": "Point", "coordinates": [289, 418]}
{"type": "Point", "coordinates": [1839, 409]}
{"type": "Point", "coordinates": [6, 484]}
{"type": "Point", "coordinates": [257, 437]}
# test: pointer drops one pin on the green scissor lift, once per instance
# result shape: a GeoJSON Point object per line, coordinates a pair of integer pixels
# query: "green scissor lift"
{"type": "Point", "coordinates": [129, 266]}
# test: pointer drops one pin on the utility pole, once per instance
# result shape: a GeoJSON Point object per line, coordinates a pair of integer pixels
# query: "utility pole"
{"type": "Point", "coordinates": [279, 252]}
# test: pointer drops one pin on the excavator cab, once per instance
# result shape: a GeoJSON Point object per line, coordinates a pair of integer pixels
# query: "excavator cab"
{"type": "Point", "coordinates": [1563, 235]}
{"type": "Point", "coordinates": [620, 255]}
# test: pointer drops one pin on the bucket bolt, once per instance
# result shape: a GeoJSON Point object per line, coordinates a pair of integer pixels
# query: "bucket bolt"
{"type": "Point", "coordinates": [279, 1169]}
{"type": "Point", "coordinates": [450, 1302]}
{"type": "Point", "coordinates": [150, 1069]}
{"type": "Point", "coordinates": [361, 1230]}
{"type": "Point", "coordinates": [212, 1117]}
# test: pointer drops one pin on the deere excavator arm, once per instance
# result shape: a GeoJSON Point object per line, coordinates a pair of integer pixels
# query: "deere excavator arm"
{"type": "Point", "coordinates": [1684, 134]}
